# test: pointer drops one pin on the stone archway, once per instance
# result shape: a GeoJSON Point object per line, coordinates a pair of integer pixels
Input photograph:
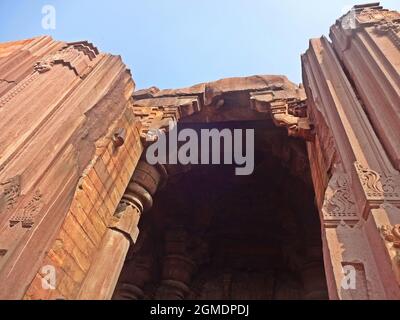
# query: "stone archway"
{"type": "Point", "coordinates": [214, 235]}
{"type": "Point", "coordinates": [276, 109]}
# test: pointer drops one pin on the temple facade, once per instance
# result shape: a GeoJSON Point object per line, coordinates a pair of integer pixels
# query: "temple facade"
{"type": "Point", "coordinates": [84, 215]}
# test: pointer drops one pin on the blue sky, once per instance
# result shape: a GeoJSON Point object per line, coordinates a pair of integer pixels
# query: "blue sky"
{"type": "Point", "coordinates": [176, 43]}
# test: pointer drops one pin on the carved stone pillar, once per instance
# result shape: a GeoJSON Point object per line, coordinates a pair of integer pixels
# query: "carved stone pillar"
{"type": "Point", "coordinates": [346, 246]}
{"type": "Point", "coordinates": [123, 231]}
{"type": "Point", "coordinates": [104, 273]}
{"type": "Point", "coordinates": [140, 270]}
{"type": "Point", "coordinates": [178, 267]}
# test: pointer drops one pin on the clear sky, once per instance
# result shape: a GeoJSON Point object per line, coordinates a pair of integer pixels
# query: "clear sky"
{"type": "Point", "coordinates": [176, 43]}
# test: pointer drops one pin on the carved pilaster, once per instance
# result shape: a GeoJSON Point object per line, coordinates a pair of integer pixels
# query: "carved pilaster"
{"type": "Point", "coordinates": [123, 232]}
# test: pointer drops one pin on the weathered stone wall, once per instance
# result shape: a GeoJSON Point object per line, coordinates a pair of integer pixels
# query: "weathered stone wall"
{"type": "Point", "coordinates": [60, 178]}
{"type": "Point", "coordinates": [97, 196]}
{"type": "Point", "coordinates": [73, 187]}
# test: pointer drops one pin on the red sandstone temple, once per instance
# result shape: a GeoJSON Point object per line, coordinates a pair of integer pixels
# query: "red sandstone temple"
{"type": "Point", "coordinates": [79, 200]}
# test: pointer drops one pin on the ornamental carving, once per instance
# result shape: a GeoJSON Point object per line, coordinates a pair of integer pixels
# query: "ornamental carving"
{"type": "Point", "coordinates": [68, 56]}
{"type": "Point", "coordinates": [27, 215]}
{"type": "Point", "coordinates": [293, 116]}
{"type": "Point", "coordinates": [377, 186]}
{"type": "Point", "coordinates": [154, 119]}
{"type": "Point", "coordinates": [17, 89]}
{"type": "Point", "coordinates": [339, 204]}
{"type": "Point", "coordinates": [390, 29]}
{"type": "Point", "coordinates": [10, 191]}
{"type": "Point", "coordinates": [392, 235]}
{"type": "Point", "coordinates": [75, 56]}
{"type": "Point", "coordinates": [43, 66]}
{"type": "Point", "coordinates": [373, 15]}
{"type": "Point", "coordinates": [387, 26]}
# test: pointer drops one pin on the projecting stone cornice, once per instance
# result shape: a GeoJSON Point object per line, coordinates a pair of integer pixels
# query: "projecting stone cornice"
{"type": "Point", "coordinates": [252, 98]}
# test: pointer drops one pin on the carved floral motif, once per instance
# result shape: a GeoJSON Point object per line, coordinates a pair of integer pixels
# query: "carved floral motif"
{"type": "Point", "coordinates": [376, 186]}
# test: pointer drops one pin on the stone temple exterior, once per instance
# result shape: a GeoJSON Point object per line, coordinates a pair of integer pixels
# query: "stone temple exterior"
{"type": "Point", "coordinates": [79, 200]}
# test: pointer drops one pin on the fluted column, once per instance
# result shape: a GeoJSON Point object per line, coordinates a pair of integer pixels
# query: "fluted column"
{"type": "Point", "coordinates": [123, 231]}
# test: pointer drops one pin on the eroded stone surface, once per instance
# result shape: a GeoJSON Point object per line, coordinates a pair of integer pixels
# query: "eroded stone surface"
{"type": "Point", "coordinates": [74, 185]}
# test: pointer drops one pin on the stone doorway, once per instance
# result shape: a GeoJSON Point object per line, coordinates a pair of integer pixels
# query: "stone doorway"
{"type": "Point", "coordinates": [214, 235]}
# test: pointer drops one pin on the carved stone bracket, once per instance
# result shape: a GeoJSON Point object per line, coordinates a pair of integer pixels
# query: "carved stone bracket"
{"type": "Point", "coordinates": [287, 109]}
{"type": "Point", "coordinates": [157, 114]}
{"type": "Point", "coordinates": [378, 187]}
{"type": "Point", "coordinates": [153, 119]}
{"type": "Point", "coordinates": [282, 115]}
{"type": "Point", "coordinates": [339, 203]}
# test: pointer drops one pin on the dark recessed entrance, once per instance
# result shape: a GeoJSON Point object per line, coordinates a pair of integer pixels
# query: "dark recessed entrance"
{"type": "Point", "coordinates": [214, 235]}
